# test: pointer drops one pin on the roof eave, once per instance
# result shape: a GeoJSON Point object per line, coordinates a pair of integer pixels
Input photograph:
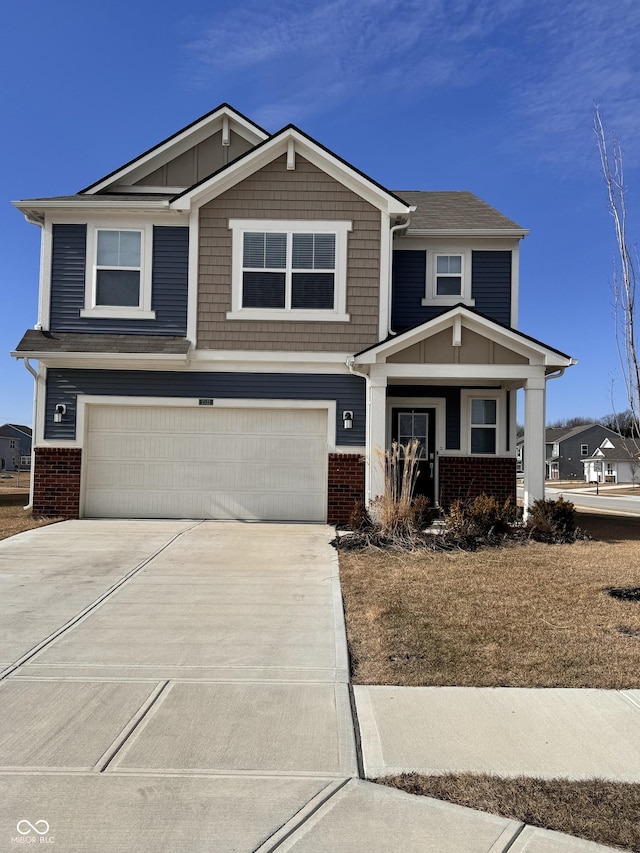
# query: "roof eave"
{"type": "Point", "coordinates": [513, 233]}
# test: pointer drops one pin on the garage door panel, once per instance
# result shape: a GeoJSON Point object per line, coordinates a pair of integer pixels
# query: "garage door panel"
{"type": "Point", "coordinates": [147, 461]}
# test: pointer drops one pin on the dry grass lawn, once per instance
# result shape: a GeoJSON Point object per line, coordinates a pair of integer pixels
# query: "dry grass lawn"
{"type": "Point", "coordinates": [604, 812]}
{"type": "Point", "coordinates": [14, 519]}
{"type": "Point", "coordinates": [530, 615]}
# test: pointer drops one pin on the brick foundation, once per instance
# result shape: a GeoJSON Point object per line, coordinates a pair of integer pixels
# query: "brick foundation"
{"type": "Point", "coordinates": [469, 476]}
{"type": "Point", "coordinates": [56, 482]}
{"type": "Point", "coordinates": [346, 485]}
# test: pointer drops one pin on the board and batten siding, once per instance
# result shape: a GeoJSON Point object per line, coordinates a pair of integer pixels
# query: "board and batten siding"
{"type": "Point", "coordinates": [63, 386]}
{"type": "Point", "coordinates": [490, 287]}
{"type": "Point", "coordinates": [169, 284]}
{"type": "Point", "coordinates": [305, 193]}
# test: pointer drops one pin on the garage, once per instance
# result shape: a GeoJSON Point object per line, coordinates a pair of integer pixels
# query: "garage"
{"type": "Point", "coordinates": [205, 462]}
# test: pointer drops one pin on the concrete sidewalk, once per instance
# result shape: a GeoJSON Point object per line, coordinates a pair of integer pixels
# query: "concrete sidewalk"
{"type": "Point", "coordinates": [184, 686]}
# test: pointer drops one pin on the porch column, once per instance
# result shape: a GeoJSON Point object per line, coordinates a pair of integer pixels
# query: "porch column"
{"type": "Point", "coordinates": [376, 435]}
{"type": "Point", "coordinates": [534, 439]}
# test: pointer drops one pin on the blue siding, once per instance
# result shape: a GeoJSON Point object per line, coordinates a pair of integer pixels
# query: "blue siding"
{"type": "Point", "coordinates": [169, 284]}
{"type": "Point", "coordinates": [490, 287]}
{"type": "Point", "coordinates": [452, 408]}
{"type": "Point", "coordinates": [348, 392]}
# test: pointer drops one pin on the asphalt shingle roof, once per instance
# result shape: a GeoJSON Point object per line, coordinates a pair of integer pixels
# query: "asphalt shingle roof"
{"type": "Point", "coordinates": [453, 211]}
{"type": "Point", "coordinates": [37, 341]}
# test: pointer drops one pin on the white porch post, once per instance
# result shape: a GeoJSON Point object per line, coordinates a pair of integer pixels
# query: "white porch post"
{"type": "Point", "coordinates": [534, 439]}
{"type": "Point", "coordinates": [376, 434]}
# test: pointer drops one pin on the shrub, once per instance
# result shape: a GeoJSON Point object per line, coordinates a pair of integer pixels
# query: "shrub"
{"type": "Point", "coordinates": [551, 520]}
{"type": "Point", "coordinates": [360, 520]}
{"type": "Point", "coordinates": [483, 516]}
{"type": "Point", "coordinates": [422, 513]}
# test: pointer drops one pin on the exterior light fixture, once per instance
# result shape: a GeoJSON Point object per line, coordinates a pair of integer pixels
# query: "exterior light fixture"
{"type": "Point", "coordinates": [58, 412]}
{"type": "Point", "coordinates": [347, 420]}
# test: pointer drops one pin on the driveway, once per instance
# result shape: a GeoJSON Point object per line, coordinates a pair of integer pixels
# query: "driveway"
{"type": "Point", "coordinates": [178, 686]}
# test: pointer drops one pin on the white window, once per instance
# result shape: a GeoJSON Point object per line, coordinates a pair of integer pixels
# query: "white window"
{"type": "Point", "coordinates": [584, 450]}
{"type": "Point", "coordinates": [484, 426]}
{"type": "Point", "coordinates": [118, 272]}
{"type": "Point", "coordinates": [12, 444]}
{"type": "Point", "coordinates": [291, 270]}
{"type": "Point", "coordinates": [610, 469]}
{"type": "Point", "coordinates": [448, 277]}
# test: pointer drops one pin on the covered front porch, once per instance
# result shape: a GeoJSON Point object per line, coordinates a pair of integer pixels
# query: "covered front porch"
{"type": "Point", "coordinates": [452, 384]}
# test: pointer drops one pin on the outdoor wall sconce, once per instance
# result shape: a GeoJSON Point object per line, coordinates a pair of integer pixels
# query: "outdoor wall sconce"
{"type": "Point", "coordinates": [347, 420]}
{"type": "Point", "coordinates": [58, 412]}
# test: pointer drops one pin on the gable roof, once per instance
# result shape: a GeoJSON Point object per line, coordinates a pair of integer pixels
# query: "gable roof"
{"type": "Point", "coordinates": [273, 147]}
{"type": "Point", "coordinates": [200, 127]}
{"type": "Point", "coordinates": [562, 433]}
{"type": "Point", "coordinates": [19, 427]}
{"type": "Point", "coordinates": [393, 343]}
{"type": "Point", "coordinates": [623, 450]}
{"type": "Point", "coordinates": [443, 212]}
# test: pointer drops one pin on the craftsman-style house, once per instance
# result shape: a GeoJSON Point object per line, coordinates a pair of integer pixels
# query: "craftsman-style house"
{"type": "Point", "coordinates": [235, 323]}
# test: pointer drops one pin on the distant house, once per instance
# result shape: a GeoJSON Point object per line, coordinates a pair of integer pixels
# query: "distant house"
{"type": "Point", "coordinates": [614, 461]}
{"type": "Point", "coordinates": [565, 449]}
{"type": "Point", "coordinates": [15, 447]}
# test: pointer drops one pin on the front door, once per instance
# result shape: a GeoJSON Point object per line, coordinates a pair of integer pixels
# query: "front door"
{"type": "Point", "coordinates": [409, 424]}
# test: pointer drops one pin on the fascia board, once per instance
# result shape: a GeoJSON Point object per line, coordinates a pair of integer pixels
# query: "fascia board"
{"type": "Point", "coordinates": [253, 161]}
{"type": "Point", "coordinates": [176, 145]}
{"type": "Point", "coordinates": [47, 357]}
{"type": "Point", "coordinates": [90, 204]}
{"type": "Point", "coordinates": [468, 232]}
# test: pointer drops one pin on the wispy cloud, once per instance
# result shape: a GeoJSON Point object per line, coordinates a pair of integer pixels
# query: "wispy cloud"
{"type": "Point", "coordinates": [303, 58]}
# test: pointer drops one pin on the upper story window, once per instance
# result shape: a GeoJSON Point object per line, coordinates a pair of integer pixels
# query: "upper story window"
{"type": "Point", "coordinates": [12, 444]}
{"type": "Point", "coordinates": [118, 272]}
{"type": "Point", "coordinates": [448, 277]}
{"type": "Point", "coordinates": [584, 450]}
{"type": "Point", "coordinates": [289, 270]}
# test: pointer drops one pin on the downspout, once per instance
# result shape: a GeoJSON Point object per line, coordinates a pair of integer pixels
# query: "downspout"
{"type": "Point", "coordinates": [350, 364]}
{"type": "Point", "coordinates": [29, 367]}
{"type": "Point", "coordinates": [392, 231]}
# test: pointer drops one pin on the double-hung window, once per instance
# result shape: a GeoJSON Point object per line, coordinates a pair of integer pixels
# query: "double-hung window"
{"type": "Point", "coordinates": [118, 272]}
{"type": "Point", "coordinates": [448, 277]}
{"type": "Point", "coordinates": [289, 270]}
{"type": "Point", "coordinates": [484, 426]}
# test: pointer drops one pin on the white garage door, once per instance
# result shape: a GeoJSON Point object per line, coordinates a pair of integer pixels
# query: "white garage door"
{"type": "Point", "coordinates": [152, 462]}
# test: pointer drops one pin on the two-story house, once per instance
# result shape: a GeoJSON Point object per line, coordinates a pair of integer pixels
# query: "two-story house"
{"type": "Point", "coordinates": [567, 449]}
{"type": "Point", "coordinates": [235, 324]}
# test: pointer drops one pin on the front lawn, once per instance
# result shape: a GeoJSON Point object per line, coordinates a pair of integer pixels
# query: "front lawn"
{"type": "Point", "coordinates": [531, 615]}
{"type": "Point", "coordinates": [14, 519]}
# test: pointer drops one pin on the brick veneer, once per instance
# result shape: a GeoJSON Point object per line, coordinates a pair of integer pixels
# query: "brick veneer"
{"type": "Point", "coordinates": [56, 482]}
{"type": "Point", "coordinates": [470, 476]}
{"type": "Point", "coordinates": [346, 485]}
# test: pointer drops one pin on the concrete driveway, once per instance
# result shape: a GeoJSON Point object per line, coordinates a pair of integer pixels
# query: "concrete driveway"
{"type": "Point", "coordinates": [178, 686]}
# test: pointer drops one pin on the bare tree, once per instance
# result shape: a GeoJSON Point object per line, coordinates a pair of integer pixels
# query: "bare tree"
{"type": "Point", "coordinates": [626, 269]}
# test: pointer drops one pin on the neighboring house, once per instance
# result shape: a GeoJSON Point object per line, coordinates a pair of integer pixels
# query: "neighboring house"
{"type": "Point", "coordinates": [566, 449]}
{"type": "Point", "coordinates": [234, 324]}
{"type": "Point", "coordinates": [19, 440]}
{"type": "Point", "coordinates": [9, 453]}
{"type": "Point", "coordinates": [616, 460]}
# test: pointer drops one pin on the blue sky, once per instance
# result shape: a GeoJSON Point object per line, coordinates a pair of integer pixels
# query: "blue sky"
{"type": "Point", "coordinates": [493, 96]}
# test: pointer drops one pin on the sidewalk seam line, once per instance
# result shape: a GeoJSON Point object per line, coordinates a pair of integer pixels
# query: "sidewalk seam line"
{"type": "Point", "coordinates": [78, 617]}
{"type": "Point", "coordinates": [357, 734]}
{"type": "Point", "coordinates": [323, 798]}
{"type": "Point", "coordinates": [515, 837]}
{"type": "Point", "coordinates": [121, 739]}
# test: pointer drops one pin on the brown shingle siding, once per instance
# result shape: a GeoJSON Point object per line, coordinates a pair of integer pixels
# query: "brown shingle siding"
{"type": "Point", "coordinates": [275, 193]}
